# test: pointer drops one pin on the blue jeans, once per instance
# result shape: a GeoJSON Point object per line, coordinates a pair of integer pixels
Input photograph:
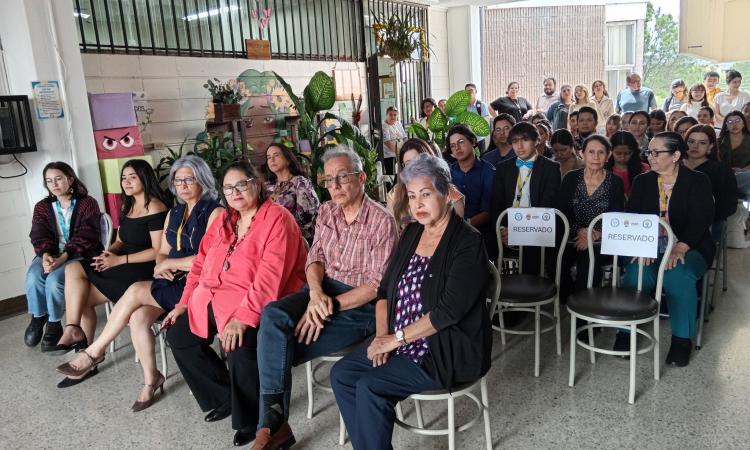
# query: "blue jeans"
{"type": "Point", "coordinates": [679, 286]}
{"type": "Point", "coordinates": [45, 291]}
{"type": "Point", "coordinates": [367, 396]}
{"type": "Point", "coordinates": [278, 349]}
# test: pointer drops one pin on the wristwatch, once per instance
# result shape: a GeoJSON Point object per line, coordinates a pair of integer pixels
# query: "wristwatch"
{"type": "Point", "coordinates": [401, 337]}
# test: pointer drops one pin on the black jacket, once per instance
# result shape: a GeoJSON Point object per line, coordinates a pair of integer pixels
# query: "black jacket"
{"type": "Point", "coordinates": [724, 187]}
{"type": "Point", "coordinates": [691, 207]}
{"type": "Point", "coordinates": [544, 184]}
{"type": "Point", "coordinates": [454, 293]}
{"type": "Point", "coordinates": [566, 197]}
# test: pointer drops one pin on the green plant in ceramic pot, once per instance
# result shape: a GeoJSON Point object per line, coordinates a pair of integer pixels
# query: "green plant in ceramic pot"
{"type": "Point", "coordinates": [319, 96]}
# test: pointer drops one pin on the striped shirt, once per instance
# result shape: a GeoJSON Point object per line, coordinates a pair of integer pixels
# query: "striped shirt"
{"type": "Point", "coordinates": [356, 253]}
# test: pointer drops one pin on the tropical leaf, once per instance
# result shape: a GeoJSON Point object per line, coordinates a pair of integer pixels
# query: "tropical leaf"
{"type": "Point", "coordinates": [457, 103]}
{"type": "Point", "coordinates": [419, 131]}
{"type": "Point", "coordinates": [477, 123]}
{"type": "Point", "coordinates": [320, 93]}
{"type": "Point", "coordinates": [437, 121]}
{"type": "Point", "coordinates": [305, 121]}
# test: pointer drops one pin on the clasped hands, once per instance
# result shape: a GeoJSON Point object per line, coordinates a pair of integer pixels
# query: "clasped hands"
{"type": "Point", "coordinates": [319, 311]}
{"type": "Point", "coordinates": [50, 263]}
{"type": "Point", "coordinates": [107, 260]}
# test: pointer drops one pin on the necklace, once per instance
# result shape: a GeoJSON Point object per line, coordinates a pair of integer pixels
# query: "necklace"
{"type": "Point", "coordinates": [237, 241]}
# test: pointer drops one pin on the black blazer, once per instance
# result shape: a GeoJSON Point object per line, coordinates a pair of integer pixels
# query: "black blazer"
{"type": "Point", "coordinates": [566, 196]}
{"type": "Point", "coordinates": [454, 293]}
{"type": "Point", "coordinates": [691, 207]}
{"type": "Point", "coordinates": [723, 186]}
{"type": "Point", "coordinates": [544, 184]}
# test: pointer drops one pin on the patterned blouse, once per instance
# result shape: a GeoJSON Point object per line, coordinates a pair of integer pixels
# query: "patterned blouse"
{"type": "Point", "coordinates": [586, 207]}
{"type": "Point", "coordinates": [298, 196]}
{"type": "Point", "coordinates": [409, 306]}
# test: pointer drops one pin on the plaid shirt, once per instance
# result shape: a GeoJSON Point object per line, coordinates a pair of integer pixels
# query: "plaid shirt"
{"type": "Point", "coordinates": [355, 253]}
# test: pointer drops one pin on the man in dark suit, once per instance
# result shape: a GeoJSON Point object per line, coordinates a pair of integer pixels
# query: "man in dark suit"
{"type": "Point", "coordinates": [530, 180]}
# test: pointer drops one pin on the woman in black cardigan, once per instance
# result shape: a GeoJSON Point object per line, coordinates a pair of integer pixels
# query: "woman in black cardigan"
{"type": "Point", "coordinates": [432, 325]}
{"type": "Point", "coordinates": [683, 198]}
{"type": "Point", "coordinates": [702, 155]}
{"type": "Point", "coordinates": [584, 194]}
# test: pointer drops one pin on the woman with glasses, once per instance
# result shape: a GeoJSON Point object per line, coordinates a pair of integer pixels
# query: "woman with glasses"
{"type": "Point", "coordinates": [64, 228]}
{"type": "Point", "coordinates": [145, 301]}
{"type": "Point", "coordinates": [251, 255]}
{"type": "Point", "coordinates": [734, 149]}
{"type": "Point", "coordinates": [397, 201]}
{"type": "Point", "coordinates": [683, 198]}
{"type": "Point", "coordinates": [677, 98]}
{"type": "Point", "coordinates": [130, 259]}
{"type": "Point", "coordinates": [289, 187]}
{"type": "Point", "coordinates": [702, 155]}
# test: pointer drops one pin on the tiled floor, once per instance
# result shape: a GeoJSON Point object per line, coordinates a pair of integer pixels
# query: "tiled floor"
{"type": "Point", "coordinates": [706, 405]}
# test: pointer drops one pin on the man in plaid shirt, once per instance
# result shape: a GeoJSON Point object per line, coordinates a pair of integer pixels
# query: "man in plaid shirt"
{"type": "Point", "coordinates": [354, 238]}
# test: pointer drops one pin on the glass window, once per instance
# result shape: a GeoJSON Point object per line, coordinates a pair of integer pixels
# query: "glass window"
{"type": "Point", "coordinates": [620, 43]}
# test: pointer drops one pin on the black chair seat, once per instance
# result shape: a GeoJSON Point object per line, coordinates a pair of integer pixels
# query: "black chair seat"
{"type": "Point", "coordinates": [606, 303]}
{"type": "Point", "coordinates": [524, 288]}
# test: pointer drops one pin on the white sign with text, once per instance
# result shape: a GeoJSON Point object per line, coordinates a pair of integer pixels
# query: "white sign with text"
{"type": "Point", "coordinates": [531, 226]}
{"type": "Point", "coordinates": [630, 234]}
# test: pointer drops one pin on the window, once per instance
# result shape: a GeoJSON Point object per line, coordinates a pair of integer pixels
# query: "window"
{"type": "Point", "coordinates": [620, 53]}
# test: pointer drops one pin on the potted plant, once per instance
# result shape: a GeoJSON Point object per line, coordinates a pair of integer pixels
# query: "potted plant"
{"type": "Point", "coordinates": [399, 38]}
{"type": "Point", "coordinates": [226, 98]}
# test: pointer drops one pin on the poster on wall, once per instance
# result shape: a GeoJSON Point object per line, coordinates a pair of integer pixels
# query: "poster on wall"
{"type": "Point", "coordinates": [47, 99]}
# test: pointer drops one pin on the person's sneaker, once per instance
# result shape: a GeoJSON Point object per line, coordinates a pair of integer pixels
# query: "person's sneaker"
{"type": "Point", "coordinates": [34, 331]}
{"type": "Point", "coordinates": [622, 344]}
{"type": "Point", "coordinates": [679, 352]}
{"type": "Point", "coordinates": [52, 335]}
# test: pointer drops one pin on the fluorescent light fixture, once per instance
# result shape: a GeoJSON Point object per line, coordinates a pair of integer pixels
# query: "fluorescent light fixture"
{"type": "Point", "coordinates": [210, 12]}
{"type": "Point", "coordinates": [81, 15]}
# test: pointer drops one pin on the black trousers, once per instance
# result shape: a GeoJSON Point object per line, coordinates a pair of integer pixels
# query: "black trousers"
{"type": "Point", "coordinates": [213, 383]}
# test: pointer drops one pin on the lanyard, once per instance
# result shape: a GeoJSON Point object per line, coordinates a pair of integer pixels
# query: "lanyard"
{"type": "Point", "coordinates": [664, 196]}
{"type": "Point", "coordinates": [179, 229]}
{"type": "Point", "coordinates": [63, 220]}
{"type": "Point", "coordinates": [519, 187]}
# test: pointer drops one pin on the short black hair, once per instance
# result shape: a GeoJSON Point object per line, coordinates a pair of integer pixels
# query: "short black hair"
{"type": "Point", "coordinates": [657, 114]}
{"type": "Point", "coordinates": [552, 79]}
{"type": "Point", "coordinates": [573, 114]}
{"type": "Point", "coordinates": [589, 110]}
{"type": "Point", "coordinates": [464, 131]}
{"type": "Point", "coordinates": [711, 73]}
{"type": "Point", "coordinates": [503, 116]}
{"type": "Point", "coordinates": [391, 108]}
{"type": "Point", "coordinates": [711, 110]}
{"type": "Point", "coordinates": [644, 114]}
{"type": "Point", "coordinates": [468, 85]}
{"type": "Point", "coordinates": [562, 136]}
{"type": "Point", "coordinates": [524, 130]}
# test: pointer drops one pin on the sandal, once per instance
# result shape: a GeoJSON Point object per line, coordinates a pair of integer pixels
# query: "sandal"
{"type": "Point", "coordinates": [141, 405]}
{"type": "Point", "coordinates": [76, 374]}
{"type": "Point", "coordinates": [77, 346]}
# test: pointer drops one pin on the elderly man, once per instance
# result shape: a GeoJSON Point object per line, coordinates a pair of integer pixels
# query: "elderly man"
{"type": "Point", "coordinates": [634, 97]}
{"type": "Point", "coordinates": [354, 238]}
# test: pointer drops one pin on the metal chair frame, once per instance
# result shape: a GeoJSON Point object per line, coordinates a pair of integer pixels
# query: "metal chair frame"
{"type": "Point", "coordinates": [631, 325]}
{"type": "Point", "coordinates": [709, 291]}
{"type": "Point", "coordinates": [501, 306]}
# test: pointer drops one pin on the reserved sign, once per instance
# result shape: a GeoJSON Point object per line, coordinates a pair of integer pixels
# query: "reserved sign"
{"type": "Point", "coordinates": [630, 234]}
{"type": "Point", "coordinates": [531, 226]}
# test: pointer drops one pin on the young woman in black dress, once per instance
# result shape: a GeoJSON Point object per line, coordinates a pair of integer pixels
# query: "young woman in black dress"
{"type": "Point", "coordinates": [130, 259]}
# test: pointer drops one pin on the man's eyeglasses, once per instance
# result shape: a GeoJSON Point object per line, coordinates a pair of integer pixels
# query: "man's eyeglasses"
{"type": "Point", "coordinates": [240, 187]}
{"type": "Point", "coordinates": [187, 181]}
{"type": "Point", "coordinates": [342, 178]}
{"type": "Point", "coordinates": [458, 143]}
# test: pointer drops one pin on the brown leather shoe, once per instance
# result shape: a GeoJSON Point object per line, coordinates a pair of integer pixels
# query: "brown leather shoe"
{"type": "Point", "coordinates": [283, 438]}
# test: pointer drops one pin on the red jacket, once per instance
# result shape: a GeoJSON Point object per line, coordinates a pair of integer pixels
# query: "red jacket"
{"type": "Point", "coordinates": [266, 265]}
{"type": "Point", "coordinates": [85, 233]}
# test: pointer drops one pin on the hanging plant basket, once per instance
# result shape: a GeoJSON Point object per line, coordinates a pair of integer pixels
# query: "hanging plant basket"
{"type": "Point", "coordinates": [399, 38]}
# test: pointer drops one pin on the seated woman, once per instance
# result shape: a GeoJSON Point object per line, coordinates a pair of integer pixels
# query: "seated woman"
{"type": "Point", "coordinates": [672, 118]}
{"type": "Point", "coordinates": [625, 161]}
{"type": "Point", "coordinates": [563, 147]}
{"type": "Point", "coordinates": [397, 200]}
{"type": "Point", "coordinates": [683, 198]}
{"type": "Point", "coordinates": [683, 124]}
{"type": "Point", "coordinates": [129, 260]}
{"type": "Point", "coordinates": [614, 122]}
{"type": "Point", "coordinates": [251, 255]}
{"type": "Point", "coordinates": [702, 155]}
{"type": "Point", "coordinates": [432, 325]}
{"type": "Point", "coordinates": [734, 149]}
{"type": "Point", "coordinates": [64, 228]}
{"type": "Point", "coordinates": [583, 195]}
{"type": "Point", "coordinates": [145, 301]}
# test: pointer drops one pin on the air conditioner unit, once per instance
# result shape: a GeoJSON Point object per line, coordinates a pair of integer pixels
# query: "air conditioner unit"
{"type": "Point", "coordinates": [715, 29]}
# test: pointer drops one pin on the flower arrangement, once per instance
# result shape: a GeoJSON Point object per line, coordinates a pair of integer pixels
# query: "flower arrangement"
{"type": "Point", "coordinates": [226, 93]}
{"type": "Point", "coordinates": [399, 38]}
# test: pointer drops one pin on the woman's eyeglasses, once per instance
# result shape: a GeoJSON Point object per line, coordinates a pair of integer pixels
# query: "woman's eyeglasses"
{"type": "Point", "coordinates": [240, 187]}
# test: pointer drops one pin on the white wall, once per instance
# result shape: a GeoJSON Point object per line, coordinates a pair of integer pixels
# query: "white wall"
{"type": "Point", "coordinates": [439, 60]}
{"type": "Point", "coordinates": [464, 48]}
{"type": "Point", "coordinates": [40, 43]}
{"type": "Point", "coordinates": [174, 85]}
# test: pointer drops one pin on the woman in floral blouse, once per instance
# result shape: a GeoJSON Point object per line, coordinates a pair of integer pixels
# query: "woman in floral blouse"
{"type": "Point", "coordinates": [289, 187]}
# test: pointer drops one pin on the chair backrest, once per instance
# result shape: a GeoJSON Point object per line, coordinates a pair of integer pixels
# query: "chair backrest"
{"type": "Point", "coordinates": [615, 268]}
{"type": "Point", "coordinates": [105, 225]}
{"type": "Point", "coordinates": [493, 288]}
{"type": "Point", "coordinates": [560, 250]}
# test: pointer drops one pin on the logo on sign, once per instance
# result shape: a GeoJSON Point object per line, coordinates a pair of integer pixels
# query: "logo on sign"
{"type": "Point", "coordinates": [545, 217]}
{"type": "Point", "coordinates": [626, 223]}
{"type": "Point", "coordinates": [647, 224]}
{"type": "Point", "coordinates": [615, 222]}
{"type": "Point", "coordinates": [519, 216]}
{"type": "Point", "coordinates": [528, 216]}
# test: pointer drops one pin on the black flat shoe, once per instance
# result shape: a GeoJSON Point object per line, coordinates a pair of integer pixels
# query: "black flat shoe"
{"type": "Point", "coordinates": [220, 413]}
{"type": "Point", "coordinates": [679, 352]}
{"type": "Point", "coordinates": [52, 335]}
{"type": "Point", "coordinates": [34, 331]}
{"type": "Point", "coordinates": [68, 382]}
{"type": "Point", "coordinates": [243, 437]}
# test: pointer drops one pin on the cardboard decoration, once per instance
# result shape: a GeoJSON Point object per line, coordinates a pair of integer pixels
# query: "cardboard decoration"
{"type": "Point", "coordinates": [112, 110]}
{"type": "Point", "coordinates": [118, 143]}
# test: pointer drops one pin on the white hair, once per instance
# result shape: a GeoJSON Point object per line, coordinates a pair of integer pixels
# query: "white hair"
{"type": "Point", "coordinates": [346, 151]}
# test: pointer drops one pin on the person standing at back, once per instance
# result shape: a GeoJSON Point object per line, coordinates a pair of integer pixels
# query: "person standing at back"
{"type": "Point", "coordinates": [711, 80]}
{"type": "Point", "coordinates": [548, 97]}
{"type": "Point", "coordinates": [635, 97]}
{"type": "Point", "coordinates": [477, 106]}
{"type": "Point", "coordinates": [512, 104]}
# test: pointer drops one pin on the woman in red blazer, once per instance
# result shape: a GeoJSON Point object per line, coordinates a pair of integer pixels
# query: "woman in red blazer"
{"type": "Point", "coordinates": [251, 255]}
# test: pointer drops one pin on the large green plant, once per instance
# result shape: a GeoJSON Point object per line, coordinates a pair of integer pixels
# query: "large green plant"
{"type": "Point", "coordinates": [440, 122]}
{"type": "Point", "coordinates": [318, 96]}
